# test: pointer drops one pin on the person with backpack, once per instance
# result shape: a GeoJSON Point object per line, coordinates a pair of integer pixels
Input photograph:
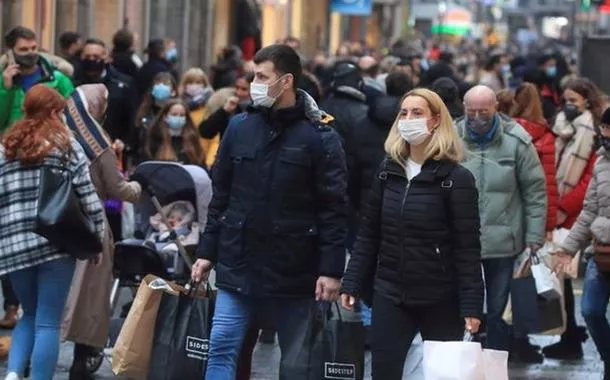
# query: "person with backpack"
{"type": "Point", "coordinates": [512, 198]}
{"type": "Point", "coordinates": [417, 252]}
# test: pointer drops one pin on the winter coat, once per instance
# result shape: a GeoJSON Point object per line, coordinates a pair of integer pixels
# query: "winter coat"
{"type": "Point", "coordinates": [145, 77]}
{"type": "Point", "coordinates": [420, 239]}
{"type": "Point", "coordinates": [87, 311]}
{"type": "Point", "coordinates": [126, 64]}
{"type": "Point", "coordinates": [544, 142]}
{"type": "Point", "coordinates": [277, 218]}
{"type": "Point", "coordinates": [348, 107]}
{"type": "Point", "coordinates": [594, 219]}
{"type": "Point", "coordinates": [512, 188]}
{"type": "Point", "coordinates": [11, 101]}
{"type": "Point", "coordinates": [22, 248]}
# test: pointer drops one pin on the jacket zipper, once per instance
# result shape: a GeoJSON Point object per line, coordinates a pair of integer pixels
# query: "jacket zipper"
{"type": "Point", "coordinates": [402, 240]}
{"type": "Point", "coordinates": [440, 256]}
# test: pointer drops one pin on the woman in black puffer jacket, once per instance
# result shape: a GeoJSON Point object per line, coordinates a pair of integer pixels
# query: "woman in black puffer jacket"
{"type": "Point", "coordinates": [418, 248]}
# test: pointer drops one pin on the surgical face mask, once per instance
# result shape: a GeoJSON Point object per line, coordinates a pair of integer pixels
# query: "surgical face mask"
{"type": "Point", "coordinates": [414, 131]}
{"type": "Point", "coordinates": [172, 54]}
{"type": "Point", "coordinates": [161, 91]}
{"type": "Point", "coordinates": [480, 124]}
{"type": "Point", "coordinates": [194, 89]}
{"type": "Point", "coordinates": [551, 71]}
{"type": "Point", "coordinates": [27, 61]}
{"type": "Point", "coordinates": [259, 92]}
{"type": "Point", "coordinates": [571, 111]}
{"type": "Point", "coordinates": [505, 69]}
{"type": "Point", "coordinates": [175, 123]}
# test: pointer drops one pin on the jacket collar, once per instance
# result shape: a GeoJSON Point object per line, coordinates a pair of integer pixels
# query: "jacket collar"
{"type": "Point", "coordinates": [431, 170]}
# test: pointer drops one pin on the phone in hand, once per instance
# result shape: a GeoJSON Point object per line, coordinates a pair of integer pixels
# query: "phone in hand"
{"type": "Point", "coordinates": [11, 57]}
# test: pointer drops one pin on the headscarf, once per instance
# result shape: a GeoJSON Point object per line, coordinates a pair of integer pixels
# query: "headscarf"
{"type": "Point", "coordinates": [84, 112]}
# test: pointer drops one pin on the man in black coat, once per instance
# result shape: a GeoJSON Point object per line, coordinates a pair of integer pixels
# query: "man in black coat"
{"type": "Point", "coordinates": [94, 68]}
{"type": "Point", "coordinates": [276, 222]}
{"type": "Point", "coordinates": [157, 63]}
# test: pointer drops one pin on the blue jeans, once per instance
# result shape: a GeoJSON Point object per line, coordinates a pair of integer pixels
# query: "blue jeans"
{"type": "Point", "coordinates": [594, 306]}
{"type": "Point", "coordinates": [42, 291]}
{"type": "Point", "coordinates": [367, 314]}
{"type": "Point", "coordinates": [232, 316]}
{"type": "Point", "coordinates": [498, 276]}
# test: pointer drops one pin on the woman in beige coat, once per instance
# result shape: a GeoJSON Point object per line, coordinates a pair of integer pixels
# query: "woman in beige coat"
{"type": "Point", "coordinates": [87, 311]}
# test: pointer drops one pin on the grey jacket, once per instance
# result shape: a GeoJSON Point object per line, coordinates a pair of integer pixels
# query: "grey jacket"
{"type": "Point", "coordinates": [594, 219]}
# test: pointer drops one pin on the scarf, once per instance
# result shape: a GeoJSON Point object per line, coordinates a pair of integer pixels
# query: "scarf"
{"type": "Point", "coordinates": [83, 108]}
{"type": "Point", "coordinates": [574, 146]}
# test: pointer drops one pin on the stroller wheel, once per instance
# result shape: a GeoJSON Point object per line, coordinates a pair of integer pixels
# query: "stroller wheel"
{"type": "Point", "coordinates": [94, 362]}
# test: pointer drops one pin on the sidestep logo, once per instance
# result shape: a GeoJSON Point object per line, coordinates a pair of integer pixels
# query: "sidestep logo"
{"type": "Point", "coordinates": [340, 371]}
{"type": "Point", "coordinates": [197, 348]}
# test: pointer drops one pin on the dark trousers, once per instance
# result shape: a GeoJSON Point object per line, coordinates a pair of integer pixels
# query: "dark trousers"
{"type": "Point", "coordinates": [10, 298]}
{"type": "Point", "coordinates": [395, 325]}
{"type": "Point", "coordinates": [570, 308]}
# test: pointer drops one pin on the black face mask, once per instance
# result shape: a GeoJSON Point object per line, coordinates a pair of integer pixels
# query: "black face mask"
{"type": "Point", "coordinates": [480, 125]}
{"type": "Point", "coordinates": [26, 61]}
{"type": "Point", "coordinates": [92, 66]}
{"type": "Point", "coordinates": [571, 111]}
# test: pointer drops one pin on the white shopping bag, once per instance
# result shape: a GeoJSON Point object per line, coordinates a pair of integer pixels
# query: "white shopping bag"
{"type": "Point", "coordinates": [463, 361]}
{"type": "Point", "coordinates": [547, 283]}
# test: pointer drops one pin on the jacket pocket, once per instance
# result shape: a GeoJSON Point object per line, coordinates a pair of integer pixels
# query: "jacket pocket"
{"type": "Point", "coordinates": [231, 239]}
{"type": "Point", "coordinates": [295, 156]}
{"type": "Point", "coordinates": [294, 247]}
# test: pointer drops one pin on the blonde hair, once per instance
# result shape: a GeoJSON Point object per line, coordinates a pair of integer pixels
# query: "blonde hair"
{"type": "Point", "coordinates": [194, 74]}
{"type": "Point", "coordinates": [445, 143]}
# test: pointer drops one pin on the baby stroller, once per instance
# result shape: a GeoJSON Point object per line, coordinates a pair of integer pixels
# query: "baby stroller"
{"type": "Point", "coordinates": [162, 183]}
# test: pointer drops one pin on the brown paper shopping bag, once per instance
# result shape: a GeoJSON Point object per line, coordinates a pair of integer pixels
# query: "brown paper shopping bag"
{"type": "Point", "coordinates": [131, 352]}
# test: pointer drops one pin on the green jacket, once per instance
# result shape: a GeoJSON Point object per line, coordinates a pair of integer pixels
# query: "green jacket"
{"type": "Point", "coordinates": [512, 188]}
{"type": "Point", "coordinates": [14, 97]}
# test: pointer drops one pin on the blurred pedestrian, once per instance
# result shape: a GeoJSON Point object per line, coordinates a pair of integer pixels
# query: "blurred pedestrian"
{"type": "Point", "coordinates": [70, 45]}
{"type": "Point", "coordinates": [449, 92]}
{"type": "Point", "coordinates": [40, 272]}
{"type": "Point", "coordinates": [157, 63]}
{"type": "Point", "coordinates": [227, 68]}
{"type": "Point", "coordinates": [506, 101]}
{"type": "Point", "coordinates": [495, 70]}
{"type": "Point", "coordinates": [123, 55]}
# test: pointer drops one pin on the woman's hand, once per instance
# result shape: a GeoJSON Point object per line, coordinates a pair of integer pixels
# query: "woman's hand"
{"type": "Point", "coordinates": [348, 302]}
{"type": "Point", "coordinates": [472, 325]}
{"type": "Point", "coordinates": [564, 260]}
{"type": "Point", "coordinates": [118, 146]}
{"type": "Point", "coordinates": [549, 236]}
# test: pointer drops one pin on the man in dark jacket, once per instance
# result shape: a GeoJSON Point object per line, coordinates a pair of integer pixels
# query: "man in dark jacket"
{"type": "Point", "coordinates": [157, 63]}
{"type": "Point", "coordinates": [124, 59]}
{"type": "Point", "coordinates": [276, 223]}
{"type": "Point", "coordinates": [94, 68]}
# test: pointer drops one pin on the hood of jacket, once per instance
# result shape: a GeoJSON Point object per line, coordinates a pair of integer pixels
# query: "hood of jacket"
{"type": "Point", "coordinates": [349, 92]}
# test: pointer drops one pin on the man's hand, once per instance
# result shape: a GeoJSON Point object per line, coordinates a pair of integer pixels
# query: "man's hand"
{"type": "Point", "coordinates": [472, 325]}
{"type": "Point", "coordinates": [231, 104]}
{"type": "Point", "coordinates": [534, 247]}
{"type": "Point", "coordinates": [563, 261]}
{"type": "Point", "coordinates": [201, 269]}
{"type": "Point", "coordinates": [348, 302]}
{"type": "Point", "coordinates": [327, 289]}
{"type": "Point", "coordinates": [8, 74]}
{"type": "Point", "coordinates": [549, 236]}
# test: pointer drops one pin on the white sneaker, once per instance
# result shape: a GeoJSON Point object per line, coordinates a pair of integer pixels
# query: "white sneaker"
{"type": "Point", "coordinates": [12, 376]}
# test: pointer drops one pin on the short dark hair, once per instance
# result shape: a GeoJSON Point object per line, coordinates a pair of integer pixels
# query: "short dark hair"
{"type": "Point", "coordinates": [493, 61]}
{"type": "Point", "coordinates": [67, 39]}
{"type": "Point", "coordinates": [397, 84]}
{"type": "Point", "coordinates": [95, 41]}
{"type": "Point", "coordinates": [10, 40]}
{"type": "Point", "coordinates": [284, 58]}
{"type": "Point", "coordinates": [122, 41]}
{"type": "Point", "coordinates": [155, 48]}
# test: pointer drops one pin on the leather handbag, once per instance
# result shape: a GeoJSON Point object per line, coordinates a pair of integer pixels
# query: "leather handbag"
{"type": "Point", "coordinates": [602, 255]}
{"type": "Point", "coordinates": [61, 219]}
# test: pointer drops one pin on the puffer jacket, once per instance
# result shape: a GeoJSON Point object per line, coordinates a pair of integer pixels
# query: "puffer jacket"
{"type": "Point", "coordinates": [512, 188]}
{"type": "Point", "coordinates": [277, 220]}
{"type": "Point", "coordinates": [544, 142]}
{"type": "Point", "coordinates": [594, 219]}
{"type": "Point", "coordinates": [419, 239]}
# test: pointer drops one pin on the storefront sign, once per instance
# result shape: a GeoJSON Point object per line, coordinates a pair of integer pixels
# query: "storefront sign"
{"type": "Point", "coordinates": [352, 7]}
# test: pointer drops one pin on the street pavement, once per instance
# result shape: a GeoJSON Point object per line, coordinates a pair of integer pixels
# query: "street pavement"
{"type": "Point", "coordinates": [266, 359]}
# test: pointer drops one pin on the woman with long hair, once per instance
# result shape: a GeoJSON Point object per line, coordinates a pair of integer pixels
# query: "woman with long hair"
{"type": "Point", "coordinates": [87, 315]}
{"type": "Point", "coordinates": [418, 253]}
{"type": "Point", "coordinates": [173, 137]}
{"type": "Point", "coordinates": [40, 272]}
{"type": "Point", "coordinates": [581, 111]}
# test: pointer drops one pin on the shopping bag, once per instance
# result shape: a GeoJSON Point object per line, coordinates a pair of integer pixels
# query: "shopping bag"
{"type": "Point", "coordinates": [181, 336]}
{"type": "Point", "coordinates": [547, 283]}
{"type": "Point", "coordinates": [344, 354]}
{"type": "Point", "coordinates": [131, 352]}
{"type": "Point", "coordinates": [463, 361]}
{"type": "Point", "coordinates": [533, 314]}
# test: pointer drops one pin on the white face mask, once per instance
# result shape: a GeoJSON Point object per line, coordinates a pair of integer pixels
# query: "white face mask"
{"type": "Point", "coordinates": [259, 92]}
{"type": "Point", "coordinates": [414, 131]}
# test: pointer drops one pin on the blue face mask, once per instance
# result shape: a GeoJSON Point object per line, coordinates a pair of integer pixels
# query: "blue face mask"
{"type": "Point", "coordinates": [171, 54]}
{"type": "Point", "coordinates": [551, 71]}
{"type": "Point", "coordinates": [505, 69]}
{"type": "Point", "coordinates": [175, 122]}
{"type": "Point", "coordinates": [161, 91]}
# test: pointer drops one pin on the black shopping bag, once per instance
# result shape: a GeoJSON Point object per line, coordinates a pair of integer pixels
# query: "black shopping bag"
{"type": "Point", "coordinates": [330, 348]}
{"type": "Point", "coordinates": [181, 341]}
{"type": "Point", "coordinates": [344, 356]}
{"type": "Point", "coordinates": [533, 314]}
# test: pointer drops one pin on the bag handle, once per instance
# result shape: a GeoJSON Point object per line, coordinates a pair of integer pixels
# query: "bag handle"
{"type": "Point", "coordinates": [192, 286]}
